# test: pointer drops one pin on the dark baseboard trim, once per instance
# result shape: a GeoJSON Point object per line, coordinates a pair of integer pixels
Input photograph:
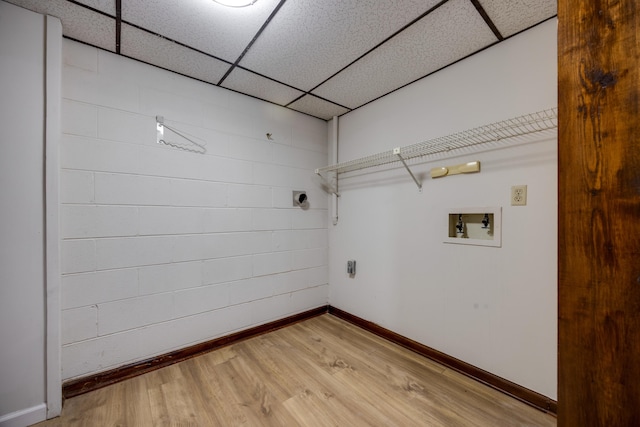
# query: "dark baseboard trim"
{"type": "Point", "coordinates": [523, 394]}
{"type": "Point", "coordinates": [93, 382]}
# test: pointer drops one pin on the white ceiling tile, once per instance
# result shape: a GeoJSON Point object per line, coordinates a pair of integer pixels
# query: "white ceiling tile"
{"type": "Point", "coordinates": [512, 16]}
{"type": "Point", "coordinates": [155, 50]}
{"type": "Point", "coordinates": [317, 107]}
{"type": "Point", "coordinates": [453, 31]}
{"type": "Point", "coordinates": [106, 6]}
{"type": "Point", "coordinates": [305, 43]}
{"type": "Point", "coordinates": [202, 24]}
{"type": "Point", "coordinates": [78, 22]}
{"type": "Point", "coordinates": [309, 40]}
{"type": "Point", "coordinates": [260, 87]}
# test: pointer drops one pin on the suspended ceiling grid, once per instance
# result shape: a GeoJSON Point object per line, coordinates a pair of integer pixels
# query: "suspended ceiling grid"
{"type": "Point", "coordinates": [320, 57]}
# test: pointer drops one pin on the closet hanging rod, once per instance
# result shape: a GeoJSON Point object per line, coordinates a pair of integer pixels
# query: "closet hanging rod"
{"type": "Point", "coordinates": [510, 128]}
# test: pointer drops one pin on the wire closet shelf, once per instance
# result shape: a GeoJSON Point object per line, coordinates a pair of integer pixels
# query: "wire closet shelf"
{"type": "Point", "coordinates": [510, 128]}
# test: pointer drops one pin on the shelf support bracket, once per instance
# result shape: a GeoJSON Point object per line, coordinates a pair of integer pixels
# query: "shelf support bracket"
{"type": "Point", "coordinates": [327, 184]}
{"type": "Point", "coordinates": [396, 151]}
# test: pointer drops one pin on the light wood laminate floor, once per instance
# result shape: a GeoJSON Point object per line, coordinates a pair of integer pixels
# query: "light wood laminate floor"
{"type": "Point", "coordinates": [320, 372]}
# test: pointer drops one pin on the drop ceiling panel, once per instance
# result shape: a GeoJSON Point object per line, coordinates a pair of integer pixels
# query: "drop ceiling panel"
{"type": "Point", "coordinates": [202, 24]}
{"type": "Point", "coordinates": [106, 6]}
{"type": "Point", "coordinates": [252, 84]}
{"type": "Point", "coordinates": [317, 107]}
{"type": "Point", "coordinates": [309, 40]}
{"type": "Point", "coordinates": [164, 53]}
{"type": "Point", "coordinates": [78, 22]}
{"type": "Point", "coordinates": [512, 16]}
{"type": "Point", "coordinates": [453, 31]}
{"type": "Point", "coordinates": [370, 47]}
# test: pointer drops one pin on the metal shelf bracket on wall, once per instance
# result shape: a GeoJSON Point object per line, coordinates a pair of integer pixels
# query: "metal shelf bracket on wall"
{"type": "Point", "coordinates": [450, 144]}
{"type": "Point", "coordinates": [396, 151]}
{"type": "Point", "coordinates": [326, 182]}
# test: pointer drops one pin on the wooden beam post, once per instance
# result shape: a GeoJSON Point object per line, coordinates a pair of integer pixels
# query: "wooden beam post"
{"type": "Point", "coordinates": [599, 213]}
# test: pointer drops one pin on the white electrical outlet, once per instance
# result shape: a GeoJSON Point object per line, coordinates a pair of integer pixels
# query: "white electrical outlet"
{"type": "Point", "coordinates": [519, 195]}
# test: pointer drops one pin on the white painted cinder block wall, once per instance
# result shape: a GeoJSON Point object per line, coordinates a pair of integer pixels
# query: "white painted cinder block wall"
{"type": "Point", "coordinates": [163, 248]}
{"type": "Point", "coordinates": [494, 308]}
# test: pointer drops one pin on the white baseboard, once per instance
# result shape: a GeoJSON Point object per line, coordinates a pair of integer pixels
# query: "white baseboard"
{"type": "Point", "coordinates": [25, 417]}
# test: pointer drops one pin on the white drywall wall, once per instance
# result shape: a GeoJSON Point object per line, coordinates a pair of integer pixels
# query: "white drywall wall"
{"type": "Point", "coordinates": [163, 248]}
{"type": "Point", "coordinates": [22, 291]}
{"type": "Point", "coordinates": [494, 308]}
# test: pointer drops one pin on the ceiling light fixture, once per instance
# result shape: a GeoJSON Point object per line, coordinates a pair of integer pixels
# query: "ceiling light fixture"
{"type": "Point", "coordinates": [236, 3]}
